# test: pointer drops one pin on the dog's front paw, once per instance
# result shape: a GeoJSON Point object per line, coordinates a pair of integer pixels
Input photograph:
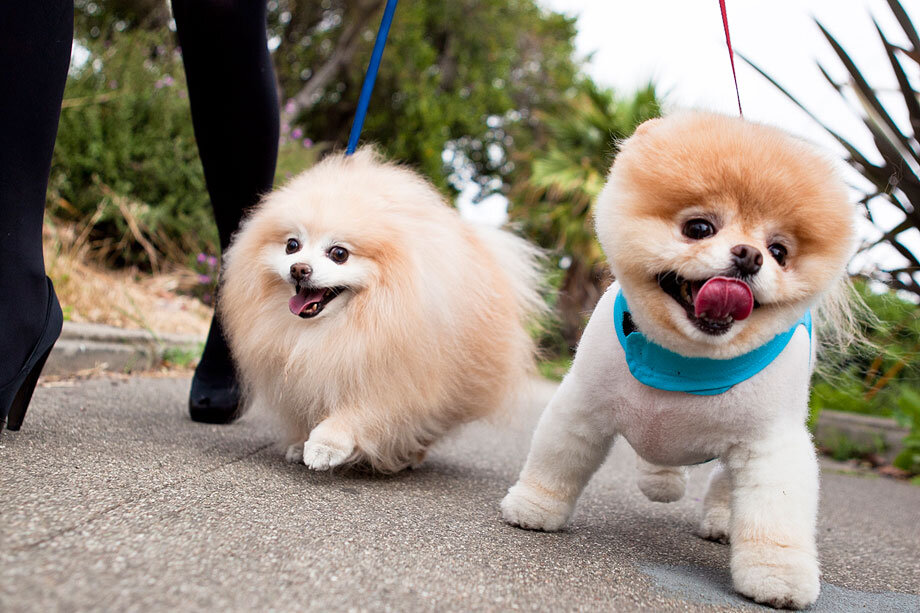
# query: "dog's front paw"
{"type": "Point", "coordinates": [782, 577]}
{"type": "Point", "coordinates": [320, 455]}
{"type": "Point", "coordinates": [294, 453]}
{"type": "Point", "coordinates": [534, 509]}
{"type": "Point", "coordinates": [330, 444]}
{"type": "Point", "coordinates": [714, 525]}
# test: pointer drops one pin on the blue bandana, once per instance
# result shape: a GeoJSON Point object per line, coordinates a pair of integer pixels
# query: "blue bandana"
{"type": "Point", "coordinates": [663, 369]}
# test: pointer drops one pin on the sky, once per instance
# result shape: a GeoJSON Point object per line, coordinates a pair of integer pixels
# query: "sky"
{"type": "Point", "coordinates": [680, 45]}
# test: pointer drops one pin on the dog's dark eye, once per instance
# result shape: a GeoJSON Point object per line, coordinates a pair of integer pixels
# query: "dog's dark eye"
{"type": "Point", "coordinates": [293, 246]}
{"type": "Point", "coordinates": [338, 254]}
{"type": "Point", "coordinates": [779, 253]}
{"type": "Point", "coordinates": [698, 228]}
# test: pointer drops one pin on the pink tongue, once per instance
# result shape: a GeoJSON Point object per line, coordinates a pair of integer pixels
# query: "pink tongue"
{"type": "Point", "coordinates": [304, 298]}
{"type": "Point", "coordinates": [723, 296]}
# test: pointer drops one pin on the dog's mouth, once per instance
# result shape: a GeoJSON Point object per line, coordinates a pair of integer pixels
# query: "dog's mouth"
{"type": "Point", "coordinates": [310, 301]}
{"type": "Point", "coordinates": [713, 304]}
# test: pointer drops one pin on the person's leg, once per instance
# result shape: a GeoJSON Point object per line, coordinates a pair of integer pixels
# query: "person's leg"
{"type": "Point", "coordinates": [35, 49]}
{"type": "Point", "coordinates": [235, 112]}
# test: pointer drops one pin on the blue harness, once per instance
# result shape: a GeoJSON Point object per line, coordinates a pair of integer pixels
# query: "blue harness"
{"type": "Point", "coordinates": [663, 369]}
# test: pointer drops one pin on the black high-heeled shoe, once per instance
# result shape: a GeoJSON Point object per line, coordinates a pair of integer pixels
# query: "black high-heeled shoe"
{"type": "Point", "coordinates": [16, 394]}
{"type": "Point", "coordinates": [214, 401]}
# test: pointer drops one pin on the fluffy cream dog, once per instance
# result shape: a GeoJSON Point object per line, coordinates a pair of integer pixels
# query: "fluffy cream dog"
{"type": "Point", "coordinates": [722, 234]}
{"type": "Point", "coordinates": [365, 313]}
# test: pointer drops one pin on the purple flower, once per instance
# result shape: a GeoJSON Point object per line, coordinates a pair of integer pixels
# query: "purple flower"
{"type": "Point", "coordinates": [212, 261]}
{"type": "Point", "coordinates": [113, 84]}
{"type": "Point", "coordinates": [297, 134]}
{"type": "Point", "coordinates": [289, 107]}
{"type": "Point", "coordinates": [285, 128]}
{"type": "Point", "coordinates": [307, 143]}
{"type": "Point", "coordinates": [204, 279]}
{"type": "Point", "coordinates": [202, 258]}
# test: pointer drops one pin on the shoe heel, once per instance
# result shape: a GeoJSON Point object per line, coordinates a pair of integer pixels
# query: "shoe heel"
{"type": "Point", "coordinates": [24, 395]}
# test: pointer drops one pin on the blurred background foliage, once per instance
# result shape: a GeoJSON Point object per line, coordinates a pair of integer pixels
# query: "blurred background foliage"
{"type": "Point", "coordinates": [885, 380]}
{"type": "Point", "coordinates": [482, 94]}
{"type": "Point", "coordinates": [125, 162]}
{"type": "Point", "coordinates": [558, 181]}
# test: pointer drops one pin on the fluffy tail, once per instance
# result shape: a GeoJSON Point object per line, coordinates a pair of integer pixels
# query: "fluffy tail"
{"type": "Point", "coordinates": [524, 264]}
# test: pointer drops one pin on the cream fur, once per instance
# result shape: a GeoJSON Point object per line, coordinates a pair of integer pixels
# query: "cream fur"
{"type": "Point", "coordinates": [758, 184]}
{"type": "Point", "coordinates": [430, 333]}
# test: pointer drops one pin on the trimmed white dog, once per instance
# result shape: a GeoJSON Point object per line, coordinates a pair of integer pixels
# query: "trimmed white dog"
{"type": "Point", "coordinates": [722, 235]}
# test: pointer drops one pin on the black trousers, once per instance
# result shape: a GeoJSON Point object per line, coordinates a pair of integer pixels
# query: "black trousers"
{"type": "Point", "coordinates": [235, 114]}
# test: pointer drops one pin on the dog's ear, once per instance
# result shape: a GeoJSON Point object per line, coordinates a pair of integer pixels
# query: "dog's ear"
{"type": "Point", "coordinates": [646, 126]}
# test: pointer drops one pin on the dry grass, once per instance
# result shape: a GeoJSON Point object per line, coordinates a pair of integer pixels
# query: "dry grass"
{"type": "Point", "coordinates": [90, 292]}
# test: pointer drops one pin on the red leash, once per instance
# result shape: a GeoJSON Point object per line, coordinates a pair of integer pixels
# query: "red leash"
{"type": "Point", "coordinates": [731, 54]}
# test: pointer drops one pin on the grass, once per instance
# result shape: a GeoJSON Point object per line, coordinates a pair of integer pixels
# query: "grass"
{"type": "Point", "coordinates": [182, 357]}
{"type": "Point", "coordinates": [556, 368]}
{"type": "Point", "coordinates": [843, 448]}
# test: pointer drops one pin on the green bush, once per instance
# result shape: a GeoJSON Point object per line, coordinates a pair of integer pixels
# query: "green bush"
{"type": "Point", "coordinates": [908, 415]}
{"type": "Point", "coordinates": [883, 381]}
{"type": "Point", "coordinates": [125, 162]}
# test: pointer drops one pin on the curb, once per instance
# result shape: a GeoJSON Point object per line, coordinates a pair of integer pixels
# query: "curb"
{"type": "Point", "coordinates": [878, 434]}
{"type": "Point", "coordinates": [85, 346]}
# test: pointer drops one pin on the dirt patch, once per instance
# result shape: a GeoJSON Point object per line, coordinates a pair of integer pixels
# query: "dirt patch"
{"type": "Point", "coordinates": [90, 292]}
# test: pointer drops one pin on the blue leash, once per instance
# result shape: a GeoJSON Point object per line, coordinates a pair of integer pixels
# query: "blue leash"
{"type": "Point", "coordinates": [371, 76]}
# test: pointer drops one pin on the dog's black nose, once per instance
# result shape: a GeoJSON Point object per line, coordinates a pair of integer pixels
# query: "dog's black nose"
{"type": "Point", "coordinates": [747, 259]}
{"type": "Point", "coordinates": [301, 272]}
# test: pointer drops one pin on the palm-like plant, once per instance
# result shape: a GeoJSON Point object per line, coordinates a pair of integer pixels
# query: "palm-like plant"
{"type": "Point", "coordinates": [564, 175]}
{"type": "Point", "coordinates": [896, 180]}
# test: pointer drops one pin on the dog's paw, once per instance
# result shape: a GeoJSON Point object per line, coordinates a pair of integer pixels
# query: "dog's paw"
{"type": "Point", "coordinates": [782, 577]}
{"type": "Point", "coordinates": [329, 445]}
{"type": "Point", "coordinates": [294, 453]}
{"type": "Point", "coordinates": [714, 525]}
{"type": "Point", "coordinates": [664, 484]}
{"type": "Point", "coordinates": [319, 455]}
{"type": "Point", "coordinates": [532, 509]}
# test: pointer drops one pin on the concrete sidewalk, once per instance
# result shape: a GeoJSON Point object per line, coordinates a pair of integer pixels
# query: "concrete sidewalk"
{"type": "Point", "coordinates": [111, 499]}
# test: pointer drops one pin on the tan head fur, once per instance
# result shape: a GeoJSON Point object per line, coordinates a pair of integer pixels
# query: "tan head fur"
{"type": "Point", "coordinates": [755, 186]}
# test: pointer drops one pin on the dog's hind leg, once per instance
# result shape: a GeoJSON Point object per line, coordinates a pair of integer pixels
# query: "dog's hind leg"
{"type": "Point", "coordinates": [294, 453]}
{"type": "Point", "coordinates": [716, 513]}
{"type": "Point", "coordinates": [661, 483]}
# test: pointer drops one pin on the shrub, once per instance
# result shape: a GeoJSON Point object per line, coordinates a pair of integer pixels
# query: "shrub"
{"type": "Point", "coordinates": [125, 163]}
{"type": "Point", "coordinates": [882, 383]}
